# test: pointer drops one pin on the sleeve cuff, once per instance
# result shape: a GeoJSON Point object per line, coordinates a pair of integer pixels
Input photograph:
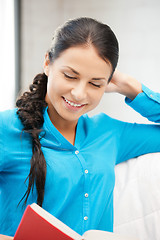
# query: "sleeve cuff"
{"type": "Point", "coordinates": [145, 101]}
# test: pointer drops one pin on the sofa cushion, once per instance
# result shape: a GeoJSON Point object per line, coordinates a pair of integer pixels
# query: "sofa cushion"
{"type": "Point", "coordinates": [137, 197]}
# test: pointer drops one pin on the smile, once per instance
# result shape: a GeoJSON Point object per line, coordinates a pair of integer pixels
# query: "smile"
{"type": "Point", "coordinates": [72, 103]}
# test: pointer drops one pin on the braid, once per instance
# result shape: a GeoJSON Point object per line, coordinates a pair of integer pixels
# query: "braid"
{"type": "Point", "coordinates": [30, 111]}
{"type": "Point", "coordinates": [31, 104]}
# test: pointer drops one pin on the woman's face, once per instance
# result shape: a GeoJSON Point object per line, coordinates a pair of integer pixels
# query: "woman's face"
{"type": "Point", "coordinates": [76, 83]}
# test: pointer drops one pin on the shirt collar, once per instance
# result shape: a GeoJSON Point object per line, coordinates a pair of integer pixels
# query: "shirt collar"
{"type": "Point", "coordinates": [52, 138]}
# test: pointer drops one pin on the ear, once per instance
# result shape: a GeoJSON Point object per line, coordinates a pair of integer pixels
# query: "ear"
{"type": "Point", "coordinates": [46, 64]}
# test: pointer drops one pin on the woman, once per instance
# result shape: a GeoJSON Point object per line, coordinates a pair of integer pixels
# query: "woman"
{"type": "Point", "coordinates": [72, 156]}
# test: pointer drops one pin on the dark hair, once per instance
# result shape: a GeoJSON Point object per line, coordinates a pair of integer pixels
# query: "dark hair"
{"type": "Point", "coordinates": [31, 105]}
{"type": "Point", "coordinates": [86, 31]}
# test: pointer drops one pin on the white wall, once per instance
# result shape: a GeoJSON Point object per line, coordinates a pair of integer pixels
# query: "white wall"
{"type": "Point", "coordinates": [7, 55]}
{"type": "Point", "coordinates": [135, 23]}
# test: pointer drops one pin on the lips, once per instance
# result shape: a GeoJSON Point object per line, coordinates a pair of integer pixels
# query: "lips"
{"type": "Point", "coordinates": [73, 104]}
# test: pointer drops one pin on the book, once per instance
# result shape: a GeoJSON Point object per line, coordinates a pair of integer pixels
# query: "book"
{"type": "Point", "coordinates": [38, 224]}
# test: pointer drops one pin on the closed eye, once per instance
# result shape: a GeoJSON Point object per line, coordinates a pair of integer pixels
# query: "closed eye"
{"type": "Point", "coordinates": [67, 76]}
{"type": "Point", "coordinates": [95, 85]}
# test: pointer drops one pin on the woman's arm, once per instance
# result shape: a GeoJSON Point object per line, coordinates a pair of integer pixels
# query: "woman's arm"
{"type": "Point", "coordinates": [138, 96]}
{"type": "Point", "coordinates": [137, 139]}
{"type": "Point", "coordinates": [124, 84]}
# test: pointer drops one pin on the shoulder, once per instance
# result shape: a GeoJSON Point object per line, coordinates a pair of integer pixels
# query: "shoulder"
{"type": "Point", "coordinates": [8, 113]}
{"type": "Point", "coordinates": [99, 128]}
{"type": "Point", "coordinates": [9, 120]}
{"type": "Point", "coordinates": [101, 121]}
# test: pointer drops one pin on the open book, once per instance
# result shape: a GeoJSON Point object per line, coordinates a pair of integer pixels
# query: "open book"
{"type": "Point", "coordinates": [38, 224]}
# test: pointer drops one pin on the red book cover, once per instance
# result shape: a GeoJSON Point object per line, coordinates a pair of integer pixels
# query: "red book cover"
{"type": "Point", "coordinates": [37, 224]}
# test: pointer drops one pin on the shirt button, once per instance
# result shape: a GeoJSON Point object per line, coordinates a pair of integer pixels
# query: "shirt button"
{"type": "Point", "coordinates": [86, 171]}
{"type": "Point", "coordinates": [76, 152]}
{"type": "Point", "coordinates": [86, 194]}
{"type": "Point", "coordinates": [85, 218]}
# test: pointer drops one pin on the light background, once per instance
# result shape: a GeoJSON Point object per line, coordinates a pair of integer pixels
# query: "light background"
{"type": "Point", "coordinates": [135, 23]}
{"type": "Point", "coordinates": [7, 54]}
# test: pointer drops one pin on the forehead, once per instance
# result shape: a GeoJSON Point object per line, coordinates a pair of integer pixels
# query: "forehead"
{"type": "Point", "coordinates": [84, 59]}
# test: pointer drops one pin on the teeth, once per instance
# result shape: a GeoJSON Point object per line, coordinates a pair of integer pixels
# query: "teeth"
{"type": "Point", "coordinates": [72, 104]}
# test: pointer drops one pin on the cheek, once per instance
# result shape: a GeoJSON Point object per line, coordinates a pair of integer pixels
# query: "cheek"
{"type": "Point", "coordinates": [96, 97]}
{"type": "Point", "coordinates": [54, 86]}
{"type": "Point", "coordinates": [99, 94]}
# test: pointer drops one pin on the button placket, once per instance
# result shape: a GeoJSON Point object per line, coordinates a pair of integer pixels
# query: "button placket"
{"type": "Point", "coordinates": [85, 218]}
{"type": "Point", "coordinates": [86, 199]}
{"type": "Point", "coordinates": [76, 152]}
{"type": "Point", "coordinates": [86, 195]}
{"type": "Point", "coordinates": [86, 187]}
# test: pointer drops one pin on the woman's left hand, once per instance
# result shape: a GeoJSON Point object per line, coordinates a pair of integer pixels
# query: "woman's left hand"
{"type": "Point", "coordinates": [124, 84]}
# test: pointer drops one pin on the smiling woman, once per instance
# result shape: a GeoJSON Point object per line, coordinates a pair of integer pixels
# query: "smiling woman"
{"type": "Point", "coordinates": [65, 158]}
{"type": "Point", "coordinates": [76, 89]}
{"type": "Point", "coordinates": [77, 43]}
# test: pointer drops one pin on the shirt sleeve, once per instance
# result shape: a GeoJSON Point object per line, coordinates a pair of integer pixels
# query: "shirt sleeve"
{"type": "Point", "coordinates": [1, 143]}
{"type": "Point", "coordinates": [138, 139]}
{"type": "Point", "coordinates": [147, 104]}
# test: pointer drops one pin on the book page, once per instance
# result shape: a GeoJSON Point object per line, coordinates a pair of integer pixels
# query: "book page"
{"type": "Point", "coordinates": [55, 222]}
{"type": "Point", "coordinates": [103, 235]}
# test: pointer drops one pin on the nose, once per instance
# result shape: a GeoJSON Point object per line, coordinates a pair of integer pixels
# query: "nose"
{"type": "Point", "coordinates": [79, 92]}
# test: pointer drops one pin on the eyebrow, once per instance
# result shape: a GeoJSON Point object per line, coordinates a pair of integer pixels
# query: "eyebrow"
{"type": "Point", "coordinates": [74, 71]}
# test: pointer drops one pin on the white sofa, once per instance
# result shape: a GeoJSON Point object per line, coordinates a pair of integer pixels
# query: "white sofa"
{"type": "Point", "coordinates": [137, 197]}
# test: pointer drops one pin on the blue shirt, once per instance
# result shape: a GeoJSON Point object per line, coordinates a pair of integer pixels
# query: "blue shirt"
{"type": "Point", "coordinates": [80, 179]}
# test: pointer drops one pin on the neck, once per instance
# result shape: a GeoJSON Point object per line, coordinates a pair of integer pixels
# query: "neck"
{"type": "Point", "coordinates": [66, 128]}
{"type": "Point", "coordinates": [68, 131]}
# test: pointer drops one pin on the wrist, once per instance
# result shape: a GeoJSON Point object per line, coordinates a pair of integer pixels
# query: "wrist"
{"type": "Point", "coordinates": [129, 86]}
{"type": "Point", "coordinates": [125, 85]}
{"type": "Point", "coordinates": [132, 88]}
